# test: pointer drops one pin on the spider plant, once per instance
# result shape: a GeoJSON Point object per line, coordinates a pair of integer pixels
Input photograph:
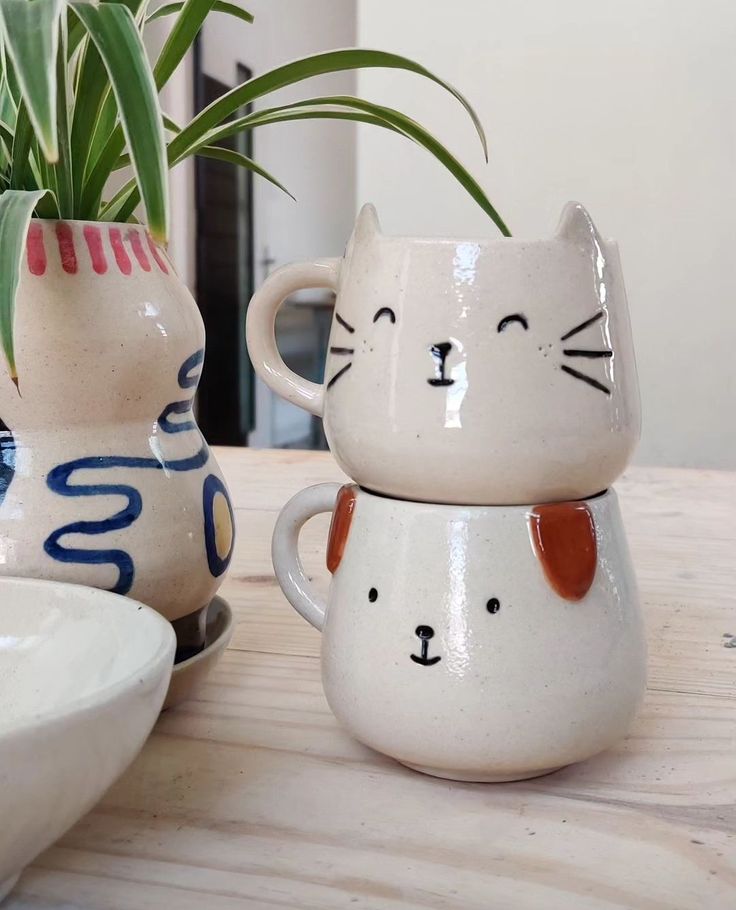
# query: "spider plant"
{"type": "Point", "coordinates": [79, 101]}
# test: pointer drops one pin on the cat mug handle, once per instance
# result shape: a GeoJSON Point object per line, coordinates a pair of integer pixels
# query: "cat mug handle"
{"type": "Point", "coordinates": [260, 329]}
{"type": "Point", "coordinates": [287, 565]}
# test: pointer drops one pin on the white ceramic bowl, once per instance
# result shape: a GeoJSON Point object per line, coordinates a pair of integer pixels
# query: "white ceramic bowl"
{"type": "Point", "coordinates": [83, 676]}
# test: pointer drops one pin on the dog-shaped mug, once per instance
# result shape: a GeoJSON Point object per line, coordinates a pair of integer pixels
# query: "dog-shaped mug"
{"type": "Point", "coordinates": [474, 643]}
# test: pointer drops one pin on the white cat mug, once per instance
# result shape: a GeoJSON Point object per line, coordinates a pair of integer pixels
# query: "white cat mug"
{"type": "Point", "coordinates": [474, 643]}
{"type": "Point", "coordinates": [492, 371]}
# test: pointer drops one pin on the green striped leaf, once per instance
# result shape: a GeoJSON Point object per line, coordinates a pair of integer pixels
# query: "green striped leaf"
{"type": "Point", "coordinates": [16, 208]}
{"type": "Point", "coordinates": [22, 139]}
{"type": "Point", "coordinates": [31, 36]}
{"type": "Point", "coordinates": [8, 107]}
{"type": "Point", "coordinates": [219, 6]}
{"type": "Point", "coordinates": [297, 71]}
{"type": "Point", "coordinates": [123, 203]}
{"type": "Point", "coordinates": [62, 169]}
{"type": "Point", "coordinates": [240, 160]}
{"type": "Point", "coordinates": [7, 133]}
{"type": "Point", "coordinates": [105, 162]}
{"type": "Point", "coordinates": [421, 136]}
{"type": "Point", "coordinates": [180, 38]}
{"type": "Point", "coordinates": [111, 211]}
{"type": "Point", "coordinates": [92, 90]}
{"type": "Point", "coordinates": [113, 30]}
{"type": "Point", "coordinates": [377, 115]}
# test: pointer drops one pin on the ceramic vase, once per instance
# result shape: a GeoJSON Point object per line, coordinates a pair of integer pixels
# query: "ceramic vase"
{"type": "Point", "coordinates": [105, 478]}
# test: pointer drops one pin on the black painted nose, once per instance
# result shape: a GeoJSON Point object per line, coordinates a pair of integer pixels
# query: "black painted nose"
{"type": "Point", "coordinates": [424, 632]}
{"type": "Point", "coordinates": [441, 349]}
{"type": "Point", "coordinates": [439, 352]}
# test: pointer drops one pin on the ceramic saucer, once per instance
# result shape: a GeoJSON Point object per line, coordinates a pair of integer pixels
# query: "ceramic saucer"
{"type": "Point", "coordinates": [190, 674]}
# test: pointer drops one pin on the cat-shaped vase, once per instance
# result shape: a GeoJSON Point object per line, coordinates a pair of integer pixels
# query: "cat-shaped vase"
{"type": "Point", "coordinates": [491, 371]}
{"type": "Point", "coordinates": [474, 643]}
{"type": "Point", "coordinates": [105, 479]}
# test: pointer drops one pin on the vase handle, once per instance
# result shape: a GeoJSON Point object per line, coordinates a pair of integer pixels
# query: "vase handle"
{"type": "Point", "coordinates": [287, 565]}
{"type": "Point", "coordinates": [260, 329]}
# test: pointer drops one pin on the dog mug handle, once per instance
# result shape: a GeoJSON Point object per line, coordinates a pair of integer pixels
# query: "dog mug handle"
{"type": "Point", "coordinates": [287, 565]}
{"type": "Point", "coordinates": [260, 329]}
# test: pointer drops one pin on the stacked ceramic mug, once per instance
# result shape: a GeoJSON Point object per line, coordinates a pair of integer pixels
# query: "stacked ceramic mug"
{"type": "Point", "coordinates": [482, 621]}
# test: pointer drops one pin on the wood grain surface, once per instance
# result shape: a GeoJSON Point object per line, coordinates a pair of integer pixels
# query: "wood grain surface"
{"type": "Point", "coordinates": [251, 796]}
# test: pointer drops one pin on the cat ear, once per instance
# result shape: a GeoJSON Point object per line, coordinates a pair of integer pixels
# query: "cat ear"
{"type": "Point", "coordinates": [367, 223]}
{"type": "Point", "coordinates": [564, 540]}
{"type": "Point", "coordinates": [367, 227]}
{"type": "Point", "coordinates": [342, 518]}
{"type": "Point", "coordinates": [577, 226]}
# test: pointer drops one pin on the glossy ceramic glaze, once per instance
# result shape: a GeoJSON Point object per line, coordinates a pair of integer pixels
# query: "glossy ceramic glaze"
{"type": "Point", "coordinates": [105, 478]}
{"type": "Point", "coordinates": [475, 643]}
{"type": "Point", "coordinates": [84, 674]}
{"type": "Point", "coordinates": [491, 371]}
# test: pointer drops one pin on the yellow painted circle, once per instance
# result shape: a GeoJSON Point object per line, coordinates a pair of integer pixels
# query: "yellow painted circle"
{"type": "Point", "coordinates": [223, 525]}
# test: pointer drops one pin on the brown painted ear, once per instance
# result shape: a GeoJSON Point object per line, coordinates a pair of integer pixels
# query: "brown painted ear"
{"type": "Point", "coordinates": [563, 536]}
{"type": "Point", "coordinates": [340, 525]}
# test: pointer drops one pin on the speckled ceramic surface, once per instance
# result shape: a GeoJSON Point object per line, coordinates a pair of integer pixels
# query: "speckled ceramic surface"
{"type": "Point", "coordinates": [475, 643]}
{"type": "Point", "coordinates": [468, 371]}
{"type": "Point", "coordinates": [105, 478]}
{"type": "Point", "coordinates": [84, 673]}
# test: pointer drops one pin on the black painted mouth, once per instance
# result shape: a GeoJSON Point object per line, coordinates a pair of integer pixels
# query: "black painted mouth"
{"type": "Point", "coordinates": [424, 634]}
{"type": "Point", "coordinates": [425, 661]}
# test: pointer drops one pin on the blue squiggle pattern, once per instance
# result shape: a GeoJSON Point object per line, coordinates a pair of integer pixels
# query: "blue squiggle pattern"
{"type": "Point", "coordinates": [59, 481]}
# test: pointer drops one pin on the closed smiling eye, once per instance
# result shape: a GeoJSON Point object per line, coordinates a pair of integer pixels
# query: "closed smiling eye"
{"type": "Point", "coordinates": [385, 311]}
{"type": "Point", "coordinates": [509, 320]}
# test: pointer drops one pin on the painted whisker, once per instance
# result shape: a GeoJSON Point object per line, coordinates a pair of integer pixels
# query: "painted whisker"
{"type": "Point", "coordinates": [587, 379]}
{"type": "Point", "coordinates": [342, 350]}
{"type": "Point", "coordinates": [583, 325]}
{"type": "Point", "coordinates": [344, 324]}
{"type": "Point", "coordinates": [339, 374]}
{"type": "Point", "coordinates": [574, 352]}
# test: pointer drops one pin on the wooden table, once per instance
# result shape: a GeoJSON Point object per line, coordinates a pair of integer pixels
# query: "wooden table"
{"type": "Point", "coordinates": [252, 796]}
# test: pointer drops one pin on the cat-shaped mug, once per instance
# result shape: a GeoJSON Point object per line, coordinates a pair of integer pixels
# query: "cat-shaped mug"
{"type": "Point", "coordinates": [493, 371]}
{"type": "Point", "coordinates": [474, 643]}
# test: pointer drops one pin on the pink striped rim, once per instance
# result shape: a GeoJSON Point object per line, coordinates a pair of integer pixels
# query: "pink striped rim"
{"type": "Point", "coordinates": [145, 251]}
{"type": "Point", "coordinates": [138, 251]}
{"type": "Point", "coordinates": [93, 236]}
{"type": "Point", "coordinates": [35, 250]}
{"type": "Point", "coordinates": [156, 255]}
{"type": "Point", "coordinates": [121, 255]}
{"type": "Point", "coordinates": [65, 238]}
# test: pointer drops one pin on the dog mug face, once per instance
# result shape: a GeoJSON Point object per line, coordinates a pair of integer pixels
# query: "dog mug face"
{"type": "Point", "coordinates": [470, 371]}
{"type": "Point", "coordinates": [477, 643]}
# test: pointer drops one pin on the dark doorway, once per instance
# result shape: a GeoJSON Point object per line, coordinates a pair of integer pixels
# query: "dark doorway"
{"type": "Point", "coordinates": [224, 274]}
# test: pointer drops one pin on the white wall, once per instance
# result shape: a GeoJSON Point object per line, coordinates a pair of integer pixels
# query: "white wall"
{"type": "Point", "coordinates": [628, 107]}
{"type": "Point", "coordinates": [315, 159]}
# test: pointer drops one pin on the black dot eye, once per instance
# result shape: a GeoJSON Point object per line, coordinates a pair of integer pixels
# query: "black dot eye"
{"type": "Point", "coordinates": [493, 605]}
{"type": "Point", "coordinates": [385, 311]}
{"type": "Point", "coordinates": [373, 595]}
{"type": "Point", "coordinates": [508, 320]}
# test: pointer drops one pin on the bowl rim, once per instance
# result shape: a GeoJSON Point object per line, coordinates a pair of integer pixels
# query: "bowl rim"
{"type": "Point", "coordinates": [162, 655]}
